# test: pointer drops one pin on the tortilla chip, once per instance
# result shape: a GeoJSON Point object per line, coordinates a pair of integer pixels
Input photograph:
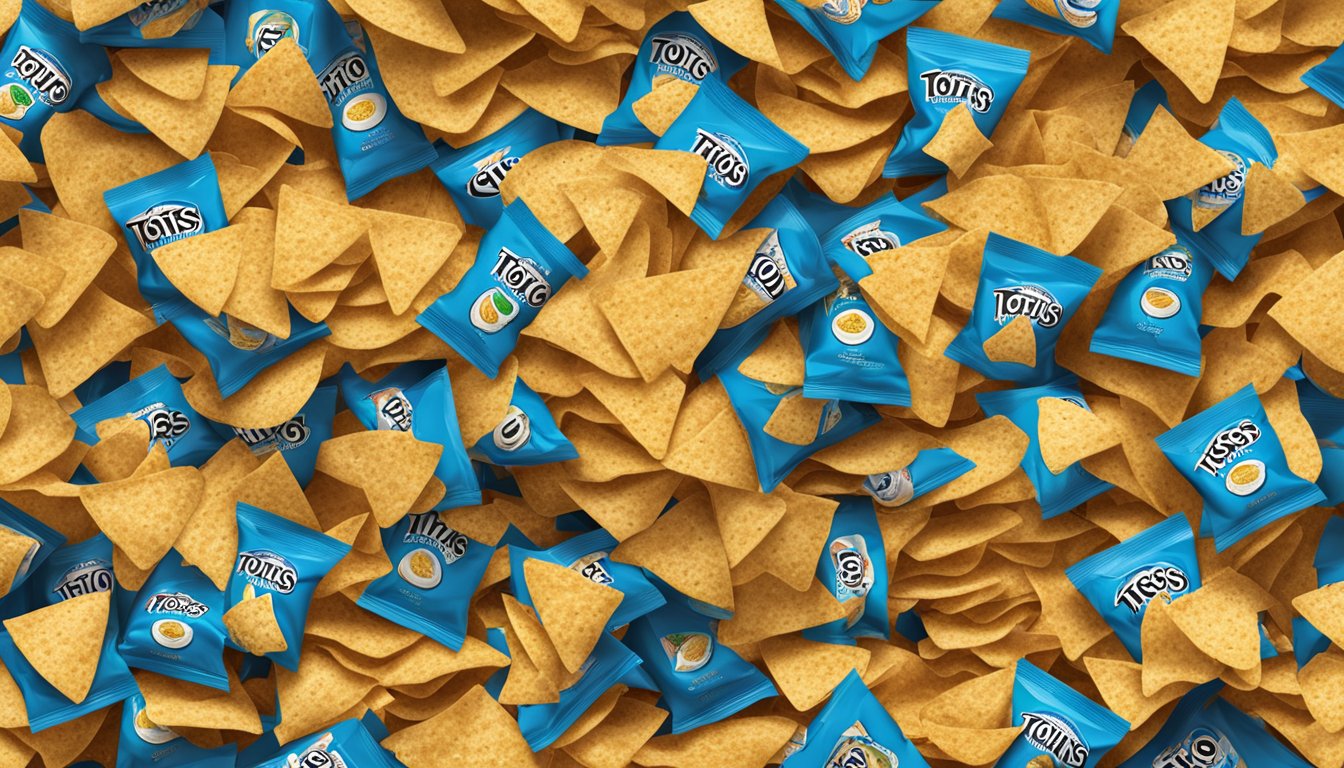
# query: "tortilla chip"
{"type": "Point", "coordinates": [684, 549]}
{"type": "Point", "coordinates": [1270, 198]}
{"type": "Point", "coordinates": [64, 641]}
{"type": "Point", "coordinates": [573, 610]}
{"type": "Point", "coordinates": [1172, 162]}
{"type": "Point", "coordinates": [806, 671]}
{"type": "Point", "coordinates": [143, 515]}
{"type": "Point", "coordinates": [796, 419]}
{"type": "Point", "coordinates": [1190, 39]}
{"type": "Point", "coordinates": [658, 108]}
{"type": "Point", "coordinates": [205, 267]}
{"type": "Point", "coordinates": [958, 142]}
{"type": "Point", "coordinates": [1015, 342]}
{"type": "Point", "coordinates": [177, 72]}
{"type": "Point", "coordinates": [495, 738]}
{"type": "Point", "coordinates": [282, 81]}
{"type": "Point", "coordinates": [252, 625]}
{"type": "Point", "coordinates": [409, 251]}
{"type": "Point", "coordinates": [1068, 433]}
{"type": "Point", "coordinates": [360, 459]}
{"type": "Point", "coordinates": [738, 741]}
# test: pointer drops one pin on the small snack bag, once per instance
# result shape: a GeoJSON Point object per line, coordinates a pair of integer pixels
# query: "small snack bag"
{"type": "Point", "coordinates": [1019, 280]}
{"type": "Point", "coordinates": [852, 730]}
{"type": "Point", "coordinates": [787, 274]}
{"type": "Point", "coordinates": [162, 24]}
{"type": "Point", "coordinates": [1059, 493]}
{"type": "Point", "coordinates": [1211, 215]}
{"type": "Point", "coordinates": [1154, 314]}
{"type": "Point", "coordinates": [850, 354]}
{"type": "Point", "coordinates": [588, 554]}
{"type": "Point", "coordinates": [882, 225]}
{"type": "Point", "coordinates": [82, 572]}
{"type": "Point", "coordinates": [527, 435]}
{"type": "Point", "coordinates": [1325, 413]}
{"type": "Point", "coordinates": [702, 682]}
{"type": "Point", "coordinates": [1206, 731]}
{"type": "Point", "coordinates": [236, 350]}
{"type": "Point", "coordinates": [298, 439]}
{"type": "Point", "coordinates": [435, 572]}
{"type": "Point", "coordinates": [1141, 108]}
{"type": "Point", "coordinates": [351, 743]}
{"type": "Point", "coordinates": [176, 627]}
{"type": "Point", "coordinates": [1091, 20]}
{"type": "Point", "coordinates": [1060, 725]}
{"type": "Point", "coordinates": [146, 743]}
{"type": "Point", "coordinates": [1157, 564]}
{"type": "Point", "coordinates": [853, 566]}
{"type": "Point", "coordinates": [740, 145]}
{"type": "Point", "coordinates": [155, 397]}
{"type": "Point", "coordinates": [281, 561]}
{"type": "Point", "coordinates": [946, 70]}
{"type": "Point", "coordinates": [176, 203]}
{"type": "Point", "coordinates": [1233, 457]}
{"type": "Point", "coordinates": [851, 29]}
{"type": "Point", "coordinates": [756, 403]}
{"type": "Point", "coordinates": [375, 143]}
{"type": "Point", "coordinates": [676, 47]}
{"type": "Point", "coordinates": [418, 398]}
{"type": "Point", "coordinates": [932, 469]}
{"type": "Point", "coordinates": [519, 266]}
{"type": "Point", "coordinates": [473, 173]}
{"type": "Point", "coordinates": [42, 542]}
{"type": "Point", "coordinates": [1327, 78]}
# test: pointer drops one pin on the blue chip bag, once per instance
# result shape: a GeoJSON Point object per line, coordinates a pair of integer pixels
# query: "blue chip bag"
{"type": "Point", "coordinates": [848, 353]}
{"type": "Point", "coordinates": [410, 399]}
{"type": "Point", "coordinates": [675, 47]}
{"type": "Point", "coordinates": [1233, 457]}
{"type": "Point", "coordinates": [932, 469]}
{"type": "Point", "coordinates": [34, 204]}
{"type": "Point", "coordinates": [519, 266]}
{"type": "Point", "coordinates": [787, 273]}
{"type": "Point", "coordinates": [45, 541]}
{"type": "Point", "coordinates": [820, 211]}
{"type": "Point", "coordinates": [1141, 108]}
{"type": "Point", "coordinates": [285, 560]}
{"type": "Point", "coordinates": [1092, 20]}
{"type": "Point", "coordinates": [1120, 582]}
{"type": "Point", "coordinates": [155, 397]}
{"type": "Point", "coordinates": [1327, 78]}
{"type": "Point", "coordinates": [473, 173]}
{"type": "Point", "coordinates": [71, 571]}
{"type": "Point", "coordinates": [1154, 314]}
{"type": "Point", "coordinates": [1058, 722]}
{"type": "Point", "coordinates": [851, 29]}
{"type": "Point", "coordinates": [298, 439]}
{"type": "Point", "coordinates": [47, 70]}
{"type": "Point", "coordinates": [1056, 494]}
{"type": "Point", "coordinates": [740, 145]}
{"type": "Point", "coordinates": [161, 208]}
{"type": "Point", "coordinates": [527, 436]}
{"type": "Point", "coordinates": [176, 628]}
{"type": "Point", "coordinates": [1019, 280]}
{"type": "Point", "coordinates": [435, 572]}
{"type": "Point", "coordinates": [542, 724]}
{"type": "Point", "coordinates": [146, 743]}
{"type": "Point", "coordinates": [1325, 414]}
{"type": "Point", "coordinates": [946, 70]}
{"type": "Point", "coordinates": [588, 554]}
{"type": "Point", "coordinates": [1204, 731]}
{"type": "Point", "coordinates": [375, 143]}
{"type": "Point", "coordinates": [853, 730]}
{"type": "Point", "coordinates": [1328, 562]}
{"type": "Point", "coordinates": [108, 378]}
{"type": "Point", "coordinates": [236, 350]}
{"type": "Point", "coordinates": [352, 743]}
{"type": "Point", "coordinates": [162, 24]}
{"type": "Point", "coordinates": [882, 225]}
{"type": "Point", "coordinates": [702, 682]}
{"type": "Point", "coordinates": [755, 402]}
{"type": "Point", "coordinates": [853, 566]}
{"type": "Point", "coordinates": [1240, 138]}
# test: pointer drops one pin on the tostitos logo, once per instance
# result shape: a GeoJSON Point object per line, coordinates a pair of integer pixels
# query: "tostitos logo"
{"type": "Point", "coordinates": [682, 54]}
{"type": "Point", "coordinates": [727, 162]}
{"type": "Point", "coordinates": [1030, 301]}
{"type": "Point", "coordinates": [950, 86]}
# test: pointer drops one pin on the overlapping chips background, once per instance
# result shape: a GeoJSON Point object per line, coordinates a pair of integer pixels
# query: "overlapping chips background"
{"type": "Point", "coordinates": [612, 354]}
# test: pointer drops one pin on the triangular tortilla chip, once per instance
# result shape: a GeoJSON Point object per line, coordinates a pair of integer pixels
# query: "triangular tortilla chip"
{"type": "Point", "coordinates": [1015, 342]}
{"type": "Point", "coordinates": [1068, 433]}
{"type": "Point", "coordinates": [525, 682]}
{"type": "Point", "coordinates": [1190, 38]}
{"type": "Point", "coordinates": [144, 514]}
{"type": "Point", "coordinates": [778, 360]}
{"type": "Point", "coordinates": [282, 81]}
{"type": "Point", "coordinates": [79, 249]}
{"type": "Point", "coordinates": [958, 142]}
{"type": "Point", "coordinates": [253, 300]}
{"type": "Point", "coordinates": [361, 459]}
{"type": "Point", "coordinates": [807, 671]}
{"type": "Point", "coordinates": [14, 165]}
{"type": "Point", "coordinates": [677, 176]}
{"type": "Point", "coordinates": [302, 249]}
{"type": "Point", "coordinates": [1322, 682]}
{"type": "Point", "coordinates": [573, 610]}
{"type": "Point", "coordinates": [91, 13]}
{"type": "Point", "coordinates": [209, 540]}
{"type": "Point", "coordinates": [177, 72]}
{"type": "Point", "coordinates": [684, 549]}
{"type": "Point", "coordinates": [1168, 655]}
{"type": "Point", "coordinates": [409, 250]}
{"type": "Point", "coordinates": [796, 419]}
{"type": "Point", "coordinates": [14, 549]}
{"type": "Point", "coordinates": [1222, 618]}
{"type": "Point", "coordinates": [185, 126]}
{"type": "Point", "coordinates": [741, 25]}
{"type": "Point", "coordinates": [494, 736]}
{"type": "Point", "coordinates": [18, 305]}
{"type": "Point", "coordinates": [64, 641]}
{"type": "Point", "coordinates": [1072, 207]}
{"type": "Point", "coordinates": [1171, 161]}
{"type": "Point", "coordinates": [252, 625]}
{"type": "Point", "coordinates": [648, 410]}
{"type": "Point", "coordinates": [658, 108]}
{"type": "Point", "coordinates": [428, 24]}
{"type": "Point", "coordinates": [272, 487]}
{"type": "Point", "coordinates": [627, 505]}
{"type": "Point", "coordinates": [1270, 198]}
{"type": "Point", "coordinates": [1324, 608]}
{"type": "Point", "coordinates": [205, 267]}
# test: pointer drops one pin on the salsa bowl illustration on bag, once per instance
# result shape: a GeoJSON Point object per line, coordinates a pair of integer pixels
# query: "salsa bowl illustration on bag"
{"type": "Point", "coordinates": [688, 651]}
{"type": "Point", "coordinates": [420, 568]}
{"type": "Point", "coordinates": [493, 310]}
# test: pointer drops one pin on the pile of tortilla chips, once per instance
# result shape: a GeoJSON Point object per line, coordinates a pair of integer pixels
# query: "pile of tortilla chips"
{"type": "Point", "coordinates": [613, 356]}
